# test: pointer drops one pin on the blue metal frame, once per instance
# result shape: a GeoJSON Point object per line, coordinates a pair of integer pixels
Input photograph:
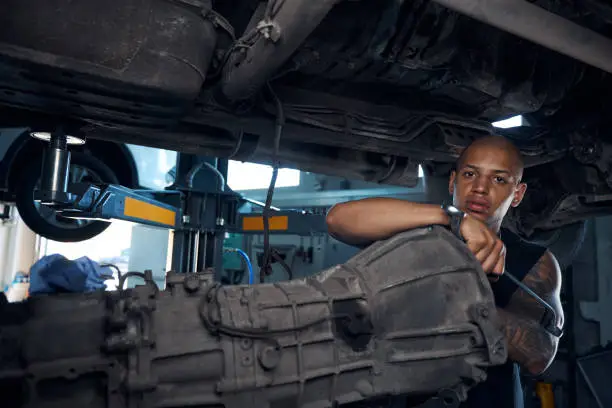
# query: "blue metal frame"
{"type": "Point", "coordinates": [108, 202]}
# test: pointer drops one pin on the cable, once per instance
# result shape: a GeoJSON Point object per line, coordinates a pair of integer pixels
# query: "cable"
{"type": "Point", "coordinates": [238, 45]}
{"type": "Point", "coordinates": [220, 177]}
{"type": "Point", "coordinates": [280, 121]}
{"type": "Point", "coordinates": [266, 221]}
{"type": "Point", "coordinates": [113, 266]}
{"type": "Point", "coordinates": [195, 169]}
{"type": "Point", "coordinates": [259, 204]}
{"type": "Point", "coordinates": [272, 9]}
{"type": "Point", "coordinates": [274, 253]}
{"type": "Point", "coordinates": [238, 145]}
{"type": "Point", "coordinates": [222, 22]}
{"type": "Point", "coordinates": [141, 275]}
{"type": "Point", "coordinates": [247, 260]}
{"type": "Point", "coordinates": [249, 265]}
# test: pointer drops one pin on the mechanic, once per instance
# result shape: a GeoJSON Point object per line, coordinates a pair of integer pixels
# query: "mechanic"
{"type": "Point", "coordinates": [486, 182]}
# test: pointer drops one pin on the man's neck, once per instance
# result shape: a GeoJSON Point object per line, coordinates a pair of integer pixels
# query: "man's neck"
{"type": "Point", "coordinates": [494, 226]}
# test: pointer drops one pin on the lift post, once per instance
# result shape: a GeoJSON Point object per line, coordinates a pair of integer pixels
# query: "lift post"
{"type": "Point", "coordinates": [208, 208]}
{"type": "Point", "coordinates": [197, 206]}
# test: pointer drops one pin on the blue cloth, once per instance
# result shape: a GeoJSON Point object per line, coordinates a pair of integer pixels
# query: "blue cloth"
{"type": "Point", "coordinates": [55, 273]}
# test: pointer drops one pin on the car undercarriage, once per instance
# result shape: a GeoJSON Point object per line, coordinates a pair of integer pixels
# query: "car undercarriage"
{"type": "Point", "coordinates": [360, 89]}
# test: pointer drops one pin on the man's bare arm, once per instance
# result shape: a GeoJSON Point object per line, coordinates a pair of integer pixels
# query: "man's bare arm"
{"type": "Point", "coordinates": [528, 343]}
{"type": "Point", "coordinates": [362, 222]}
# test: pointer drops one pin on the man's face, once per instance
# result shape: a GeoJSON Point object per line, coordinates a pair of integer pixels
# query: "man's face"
{"type": "Point", "coordinates": [487, 184]}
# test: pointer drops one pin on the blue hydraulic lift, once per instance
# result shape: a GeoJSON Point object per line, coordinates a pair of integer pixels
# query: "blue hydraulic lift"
{"type": "Point", "coordinates": [200, 210]}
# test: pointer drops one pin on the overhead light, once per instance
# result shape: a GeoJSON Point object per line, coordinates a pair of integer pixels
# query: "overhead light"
{"type": "Point", "coordinates": [70, 140]}
{"type": "Point", "coordinates": [514, 121]}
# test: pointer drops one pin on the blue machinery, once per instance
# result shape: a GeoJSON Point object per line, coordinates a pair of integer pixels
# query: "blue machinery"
{"type": "Point", "coordinates": [197, 206]}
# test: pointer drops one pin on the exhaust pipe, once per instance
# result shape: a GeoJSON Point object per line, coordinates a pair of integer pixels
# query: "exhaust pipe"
{"type": "Point", "coordinates": [264, 48]}
{"type": "Point", "coordinates": [542, 27]}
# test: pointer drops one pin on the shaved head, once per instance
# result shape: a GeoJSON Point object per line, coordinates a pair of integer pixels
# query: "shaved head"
{"type": "Point", "coordinates": [495, 144]}
{"type": "Point", "coordinates": [486, 181]}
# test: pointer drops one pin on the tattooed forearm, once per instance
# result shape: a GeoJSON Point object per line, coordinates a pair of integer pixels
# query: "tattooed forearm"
{"type": "Point", "coordinates": [528, 343]}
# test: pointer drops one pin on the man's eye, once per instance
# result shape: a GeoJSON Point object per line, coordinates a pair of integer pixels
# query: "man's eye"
{"type": "Point", "coordinates": [468, 173]}
{"type": "Point", "coordinates": [500, 180]}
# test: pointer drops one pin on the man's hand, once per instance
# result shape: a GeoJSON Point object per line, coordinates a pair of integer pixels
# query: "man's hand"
{"type": "Point", "coordinates": [485, 245]}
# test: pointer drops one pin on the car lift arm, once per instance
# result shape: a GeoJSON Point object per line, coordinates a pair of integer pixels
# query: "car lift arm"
{"type": "Point", "coordinates": [197, 206]}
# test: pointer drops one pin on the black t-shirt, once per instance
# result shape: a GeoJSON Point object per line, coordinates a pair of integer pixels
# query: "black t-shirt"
{"type": "Point", "coordinates": [502, 389]}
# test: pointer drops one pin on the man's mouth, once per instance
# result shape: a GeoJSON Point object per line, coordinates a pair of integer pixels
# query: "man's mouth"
{"type": "Point", "coordinates": [478, 206]}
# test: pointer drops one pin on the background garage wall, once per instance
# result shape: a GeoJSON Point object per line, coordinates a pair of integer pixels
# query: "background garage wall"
{"type": "Point", "coordinates": [18, 248]}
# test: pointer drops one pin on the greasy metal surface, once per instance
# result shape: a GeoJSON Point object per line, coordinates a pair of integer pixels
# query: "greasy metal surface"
{"type": "Point", "coordinates": [533, 23]}
{"type": "Point", "coordinates": [271, 42]}
{"type": "Point", "coordinates": [56, 164]}
{"type": "Point", "coordinates": [369, 87]}
{"type": "Point", "coordinates": [413, 315]}
{"type": "Point", "coordinates": [135, 59]}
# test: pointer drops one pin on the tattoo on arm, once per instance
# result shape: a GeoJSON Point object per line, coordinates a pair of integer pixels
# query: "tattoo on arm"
{"type": "Point", "coordinates": [528, 343]}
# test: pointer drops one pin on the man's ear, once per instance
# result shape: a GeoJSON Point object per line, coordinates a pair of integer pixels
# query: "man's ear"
{"type": "Point", "coordinates": [519, 193]}
{"type": "Point", "coordinates": [451, 182]}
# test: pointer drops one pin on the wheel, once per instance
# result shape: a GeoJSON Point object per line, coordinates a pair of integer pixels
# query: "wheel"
{"type": "Point", "coordinates": [45, 221]}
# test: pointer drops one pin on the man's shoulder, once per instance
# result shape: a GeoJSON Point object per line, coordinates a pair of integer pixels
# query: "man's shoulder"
{"type": "Point", "coordinates": [521, 255]}
{"type": "Point", "coordinates": [514, 241]}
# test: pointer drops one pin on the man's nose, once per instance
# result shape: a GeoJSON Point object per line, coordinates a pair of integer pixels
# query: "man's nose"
{"type": "Point", "coordinates": [481, 185]}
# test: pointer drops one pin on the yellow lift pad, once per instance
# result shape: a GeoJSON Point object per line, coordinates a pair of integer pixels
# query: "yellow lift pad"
{"type": "Point", "coordinates": [146, 211]}
{"type": "Point", "coordinates": [276, 223]}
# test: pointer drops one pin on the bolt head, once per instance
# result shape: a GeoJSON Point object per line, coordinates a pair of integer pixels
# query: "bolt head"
{"type": "Point", "coordinates": [192, 283]}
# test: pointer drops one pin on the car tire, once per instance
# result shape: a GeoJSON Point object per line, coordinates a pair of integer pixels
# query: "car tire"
{"type": "Point", "coordinates": [43, 226]}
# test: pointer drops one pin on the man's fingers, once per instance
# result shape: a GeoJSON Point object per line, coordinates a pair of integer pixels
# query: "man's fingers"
{"type": "Point", "coordinates": [487, 249]}
{"type": "Point", "coordinates": [483, 251]}
{"type": "Point", "coordinates": [499, 267]}
{"type": "Point", "coordinates": [476, 248]}
{"type": "Point", "coordinates": [492, 259]}
{"type": "Point", "coordinates": [483, 254]}
{"type": "Point", "coordinates": [498, 270]}
{"type": "Point", "coordinates": [479, 239]}
{"type": "Point", "coordinates": [472, 246]}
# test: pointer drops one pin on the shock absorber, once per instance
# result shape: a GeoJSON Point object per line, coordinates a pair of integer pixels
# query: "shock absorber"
{"type": "Point", "coordinates": [55, 168]}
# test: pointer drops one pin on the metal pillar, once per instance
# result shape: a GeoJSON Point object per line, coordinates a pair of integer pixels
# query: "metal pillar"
{"type": "Point", "coordinates": [55, 168]}
{"type": "Point", "coordinates": [207, 209]}
{"type": "Point", "coordinates": [532, 22]}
